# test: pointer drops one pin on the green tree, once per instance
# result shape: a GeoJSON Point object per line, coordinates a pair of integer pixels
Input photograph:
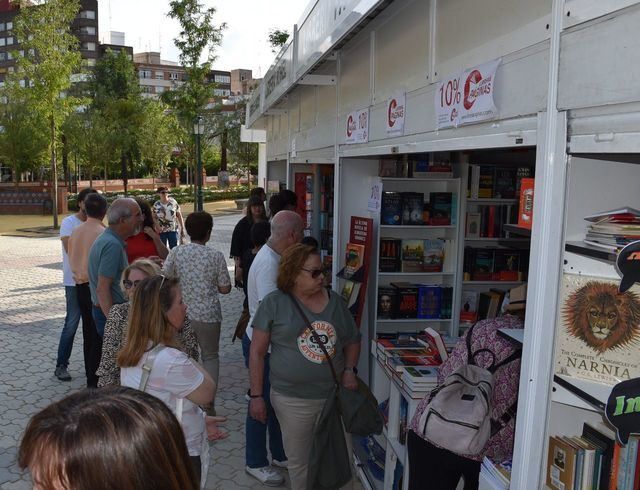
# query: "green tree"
{"type": "Point", "coordinates": [197, 41]}
{"type": "Point", "coordinates": [24, 137]}
{"type": "Point", "coordinates": [116, 94]}
{"type": "Point", "coordinates": [158, 137]}
{"type": "Point", "coordinates": [277, 38]}
{"type": "Point", "coordinates": [49, 57]}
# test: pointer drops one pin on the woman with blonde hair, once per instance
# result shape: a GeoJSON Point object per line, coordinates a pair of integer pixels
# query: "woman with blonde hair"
{"type": "Point", "coordinates": [115, 330]}
{"type": "Point", "coordinates": [301, 379]}
{"type": "Point", "coordinates": [151, 360]}
{"type": "Point", "coordinates": [106, 439]}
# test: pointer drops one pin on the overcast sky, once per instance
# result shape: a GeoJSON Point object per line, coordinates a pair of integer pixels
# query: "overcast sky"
{"type": "Point", "coordinates": [244, 44]}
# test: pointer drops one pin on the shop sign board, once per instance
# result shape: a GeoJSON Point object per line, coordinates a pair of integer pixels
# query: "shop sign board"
{"type": "Point", "coordinates": [396, 111]}
{"type": "Point", "coordinates": [357, 127]}
{"type": "Point", "coordinates": [375, 197]}
{"type": "Point", "coordinates": [467, 97]}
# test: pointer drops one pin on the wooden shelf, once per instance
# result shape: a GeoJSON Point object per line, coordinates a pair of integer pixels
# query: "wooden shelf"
{"type": "Point", "coordinates": [517, 230]}
{"type": "Point", "coordinates": [589, 251]}
{"type": "Point", "coordinates": [417, 227]}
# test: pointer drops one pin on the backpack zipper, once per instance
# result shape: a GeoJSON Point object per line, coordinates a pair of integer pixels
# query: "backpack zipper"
{"type": "Point", "coordinates": [455, 422]}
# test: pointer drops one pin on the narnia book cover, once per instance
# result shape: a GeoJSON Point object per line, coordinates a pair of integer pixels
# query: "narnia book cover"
{"type": "Point", "coordinates": [598, 331]}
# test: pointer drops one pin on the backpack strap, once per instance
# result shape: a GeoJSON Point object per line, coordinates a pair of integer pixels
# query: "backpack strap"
{"type": "Point", "coordinates": [517, 354]}
{"type": "Point", "coordinates": [148, 366]}
{"type": "Point", "coordinates": [504, 419]}
{"type": "Point", "coordinates": [471, 356]}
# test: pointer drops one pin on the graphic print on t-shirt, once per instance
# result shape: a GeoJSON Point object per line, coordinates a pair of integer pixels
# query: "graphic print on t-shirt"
{"type": "Point", "coordinates": [310, 349]}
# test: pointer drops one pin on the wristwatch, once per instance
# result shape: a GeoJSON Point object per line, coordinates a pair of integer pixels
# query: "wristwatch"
{"type": "Point", "coordinates": [354, 369]}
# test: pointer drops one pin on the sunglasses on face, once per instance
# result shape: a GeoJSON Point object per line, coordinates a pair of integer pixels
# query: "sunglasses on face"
{"type": "Point", "coordinates": [315, 273]}
{"type": "Point", "coordinates": [129, 284]}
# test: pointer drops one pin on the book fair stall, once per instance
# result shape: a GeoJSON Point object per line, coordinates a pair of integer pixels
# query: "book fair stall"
{"type": "Point", "coordinates": [457, 164]}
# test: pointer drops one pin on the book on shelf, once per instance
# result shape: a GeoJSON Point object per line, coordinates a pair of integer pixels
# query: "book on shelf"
{"type": "Point", "coordinates": [407, 299]}
{"type": "Point", "coordinates": [525, 208]}
{"type": "Point", "coordinates": [350, 292]}
{"type": "Point", "coordinates": [490, 304]}
{"type": "Point", "coordinates": [429, 301]}
{"type": "Point", "coordinates": [561, 464]}
{"type": "Point", "coordinates": [412, 208]}
{"type": "Point", "coordinates": [354, 258]}
{"type": "Point", "coordinates": [420, 378]}
{"type": "Point", "coordinates": [473, 225]}
{"type": "Point", "coordinates": [390, 255]}
{"type": "Point", "coordinates": [403, 423]}
{"type": "Point", "coordinates": [435, 341]}
{"type": "Point", "coordinates": [485, 182]}
{"type": "Point", "coordinates": [603, 438]}
{"type": "Point", "coordinates": [433, 255]}
{"type": "Point", "coordinates": [469, 306]}
{"type": "Point", "coordinates": [505, 182]}
{"type": "Point", "coordinates": [597, 330]}
{"type": "Point", "coordinates": [440, 208]}
{"type": "Point", "coordinates": [430, 166]}
{"type": "Point", "coordinates": [398, 344]}
{"type": "Point", "coordinates": [496, 475]}
{"type": "Point", "coordinates": [412, 255]}
{"type": "Point", "coordinates": [495, 264]}
{"type": "Point", "coordinates": [506, 265]}
{"type": "Point", "coordinates": [387, 302]}
{"type": "Point", "coordinates": [400, 363]}
{"type": "Point", "coordinates": [391, 209]}
{"type": "Point", "coordinates": [623, 214]}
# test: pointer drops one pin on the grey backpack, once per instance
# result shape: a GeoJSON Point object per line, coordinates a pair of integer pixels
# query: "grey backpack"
{"type": "Point", "coordinates": [458, 416]}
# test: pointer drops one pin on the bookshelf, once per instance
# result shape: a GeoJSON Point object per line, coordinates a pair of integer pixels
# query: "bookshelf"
{"type": "Point", "coordinates": [569, 409]}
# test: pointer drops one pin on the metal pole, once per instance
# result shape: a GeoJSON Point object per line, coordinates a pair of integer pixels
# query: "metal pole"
{"type": "Point", "coordinates": [200, 206]}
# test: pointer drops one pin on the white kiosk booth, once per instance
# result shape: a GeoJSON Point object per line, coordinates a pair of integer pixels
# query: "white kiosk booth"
{"type": "Point", "coordinates": [540, 89]}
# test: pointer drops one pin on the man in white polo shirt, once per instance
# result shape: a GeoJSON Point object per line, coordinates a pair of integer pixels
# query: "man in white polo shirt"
{"type": "Point", "coordinates": [286, 230]}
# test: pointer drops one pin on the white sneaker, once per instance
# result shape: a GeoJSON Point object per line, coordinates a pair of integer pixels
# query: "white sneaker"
{"type": "Point", "coordinates": [266, 475]}
{"type": "Point", "coordinates": [280, 464]}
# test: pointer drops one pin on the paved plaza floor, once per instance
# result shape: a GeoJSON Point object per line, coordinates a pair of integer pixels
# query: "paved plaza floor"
{"type": "Point", "coordinates": [32, 309]}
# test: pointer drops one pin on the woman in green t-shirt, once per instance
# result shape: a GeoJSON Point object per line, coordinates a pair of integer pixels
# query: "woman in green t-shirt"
{"type": "Point", "coordinates": [300, 377]}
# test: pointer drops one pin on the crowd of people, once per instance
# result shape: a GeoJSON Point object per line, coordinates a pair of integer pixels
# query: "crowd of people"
{"type": "Point", "coordinates": [151, 317]}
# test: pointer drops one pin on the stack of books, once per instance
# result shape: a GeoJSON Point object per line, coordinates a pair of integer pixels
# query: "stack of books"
{"type": "Point", "coordinates": [496, 476]}
{"type": "Point", "coordinates": [614, 229]}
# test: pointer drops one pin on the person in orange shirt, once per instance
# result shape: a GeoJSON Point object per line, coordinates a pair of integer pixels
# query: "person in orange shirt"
{"type": "Point", "coordinates": [80, 243]}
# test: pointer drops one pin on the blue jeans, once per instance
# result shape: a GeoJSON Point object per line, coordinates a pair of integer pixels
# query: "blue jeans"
{"type": "Point", "coordinates": [99, 319]}
{"type": "Point", "coordinates": [71, 321]}
{"type": "Point", "coordinates": [170, 238]}
{"type": "Point", "coordinates": [256, 432]}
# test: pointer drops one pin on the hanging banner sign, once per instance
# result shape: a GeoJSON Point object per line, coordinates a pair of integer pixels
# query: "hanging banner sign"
{"type": "Point", "coordinates": [467, 98]}
{"type": "Point", "coordinates": [357, 127]}
{"type": "Point", "coordinates": [396, 110]}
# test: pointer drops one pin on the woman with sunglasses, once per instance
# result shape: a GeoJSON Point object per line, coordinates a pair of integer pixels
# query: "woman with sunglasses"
{"type": "Point", "coordinates": [115, 330]}
{"type": "Point", "coordinates": [169, 217]}
{"type": "Point", "coordinates": [300, 377]}
{"type": "Point", "coordinates": [147, 243]}
{"type": "Point", "coordinates": [152, 361]}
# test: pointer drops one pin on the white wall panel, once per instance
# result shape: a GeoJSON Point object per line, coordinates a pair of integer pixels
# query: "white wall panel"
{"type": "Point", "coordinates": [471, 32]}
{"type": "Point", "coordinates": [600, 62]}
{"type": "Point", "coordinates": [402, 49]}
{"type": "Point", "coordinates": [307, 97]}
{"type": "Point", "coordinates": [355, 78]}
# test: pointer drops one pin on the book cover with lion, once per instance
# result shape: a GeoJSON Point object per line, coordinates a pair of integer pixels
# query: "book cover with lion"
{"type": "Point", "coordinates": [598, 330]}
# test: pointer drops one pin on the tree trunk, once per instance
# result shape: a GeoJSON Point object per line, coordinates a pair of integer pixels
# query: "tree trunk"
{"type": "Point", "coordinates": [54, 174]}
{"type": "Point", "coordinates": [123, 167]}
{"type": "Point", "coordinates": [65, 161]}
{"type": "Point", "coordinates": [223, 151]}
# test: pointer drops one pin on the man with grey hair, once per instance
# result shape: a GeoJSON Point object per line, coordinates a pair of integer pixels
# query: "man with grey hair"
{"type": "Point", "coordinates": [108, 258]}
{"type": "Point", "coordinates": [286, 230]}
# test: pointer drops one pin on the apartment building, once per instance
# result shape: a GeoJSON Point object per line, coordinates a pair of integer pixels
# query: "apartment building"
{"type": "Point", "coordinates": [84, 27]}
{"type": "Point", "coordinates": [242, 82]}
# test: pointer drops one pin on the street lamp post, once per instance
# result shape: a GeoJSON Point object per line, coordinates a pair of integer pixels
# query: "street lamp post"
{"type": "Point", "coordinates": [198, 131]}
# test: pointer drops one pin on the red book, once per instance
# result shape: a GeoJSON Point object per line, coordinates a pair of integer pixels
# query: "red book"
{"type": "Point", "coordinates": [492, 221]}
{"type": "Point", "coordinates": [525, 210]}
{"type": "Point", "coordinates": [615, 462]}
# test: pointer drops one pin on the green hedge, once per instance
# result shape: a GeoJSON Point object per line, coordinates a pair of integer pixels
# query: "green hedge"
{"type": "Point", "coordinates": [182, 195]}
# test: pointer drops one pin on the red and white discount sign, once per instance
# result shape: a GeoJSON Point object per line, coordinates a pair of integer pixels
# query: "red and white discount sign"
{"type": "Point", "coordinates": [357, 127]}
{"type": "Point", "coordinates": [467, 97]}
{"type": "Point", "coordinates": [396, 111]}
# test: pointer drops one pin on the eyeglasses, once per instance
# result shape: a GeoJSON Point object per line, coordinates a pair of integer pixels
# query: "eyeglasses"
{"type": "Point", "coordinates": [315, 273]}
{"type": "Point", "coordinates": [130, 284]}
{"type": "Point", "coordinates": [162, 282]}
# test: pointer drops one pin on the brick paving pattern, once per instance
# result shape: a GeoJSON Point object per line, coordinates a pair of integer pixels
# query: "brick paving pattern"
{"type": "Point", "coordinates": [31, 316]}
